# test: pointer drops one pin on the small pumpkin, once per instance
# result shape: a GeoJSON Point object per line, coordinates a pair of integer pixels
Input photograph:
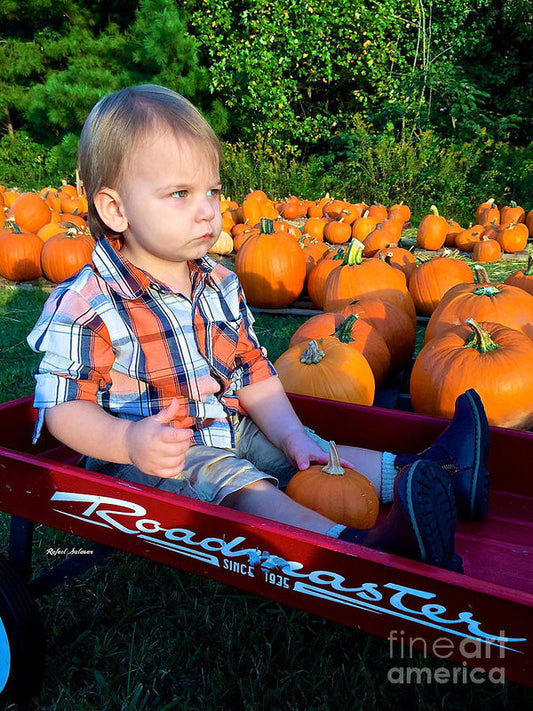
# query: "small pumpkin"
{"type": "Point", "coordinates": [512, 236]}
{"type": "Point", "coordinates": [380, 237]}
{"type": "Point", "coordinates": [488, 212]}
{"type": "Point", "coordinates": [337, 231]}
{"type": "Point", "coordinates": [467, 238]}
{"type": "Point", "coordinates": [512, 213]}
{"type": "Point", "coordinates": [363, 226]}
{"type": "Point", "coordinates": [432, 230]}
{"type": "Point", "coordinates": [339, 493]}
{"type": "Point", "coordinates": [223, 245]}
{"type": "Point", "coordinates": [486, 250]}
{"type": "Point", "coordinates": [400, 211]}
{"type": "Point", "coordinates": [313, 250]}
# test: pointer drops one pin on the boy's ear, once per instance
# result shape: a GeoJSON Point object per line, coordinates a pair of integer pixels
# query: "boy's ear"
{"type": "Point", "coordinates": [109, 206]}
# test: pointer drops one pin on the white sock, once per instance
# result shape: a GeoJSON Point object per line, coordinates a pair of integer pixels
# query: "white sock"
{"type": "Point", "coordinates": [335, 530]}
{"type": "Point", "coordinates": [388, 475]}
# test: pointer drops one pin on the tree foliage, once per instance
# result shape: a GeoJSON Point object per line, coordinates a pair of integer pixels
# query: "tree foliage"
{"type": "Point", "coordinates": [332, 80]}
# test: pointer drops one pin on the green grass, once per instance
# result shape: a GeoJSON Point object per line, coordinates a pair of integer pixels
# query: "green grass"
{"type": "Point", "coordinates": [133, 635]}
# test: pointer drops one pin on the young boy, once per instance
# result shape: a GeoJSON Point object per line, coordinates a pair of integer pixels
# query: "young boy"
{"type": "Point", "coordinates": [152, 370]}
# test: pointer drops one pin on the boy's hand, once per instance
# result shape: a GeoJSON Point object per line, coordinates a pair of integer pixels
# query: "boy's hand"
{"type": "Point", "coordinates": [154, 447]}
{"type": "Point", "coordinates": [302, 451]}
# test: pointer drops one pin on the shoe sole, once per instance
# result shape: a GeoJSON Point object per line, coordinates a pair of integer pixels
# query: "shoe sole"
{"type": "Point", "coordinates": [430, 504]}
{"type": "Point", "coordinates": [479, 485]}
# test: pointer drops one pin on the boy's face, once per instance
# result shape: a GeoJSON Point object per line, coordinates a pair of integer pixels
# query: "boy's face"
{"type": "Point", "coordinates": [166, 204]}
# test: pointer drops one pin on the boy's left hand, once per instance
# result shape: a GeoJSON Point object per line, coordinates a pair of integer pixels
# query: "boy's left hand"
{"type": "Point", "coordinates": [302, 451]}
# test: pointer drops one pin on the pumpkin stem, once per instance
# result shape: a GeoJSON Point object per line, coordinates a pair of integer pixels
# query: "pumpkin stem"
{"type": "Point", "coordinates": [354, 253]}
{"type": "Point", "coordinates": [312, 355]}
{"type": "Point", "coordinates": [434, 211]}
{"type": "Point", "coordinates": [481, 274]}
{"type": "Point", "coordinates": [480, 338]}
{"type": "Point", "coordinates": [344, 331]}
{"type": "Point", "coordinates": [266, 226]}
{"type": "Point", "coordinates": [333, 466]}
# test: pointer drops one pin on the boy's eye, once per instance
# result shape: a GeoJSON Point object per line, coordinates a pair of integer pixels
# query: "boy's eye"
{"type": "Point", "coordinates": [179, 193]}
{"type": "Point", "coordinates": [214, 192]}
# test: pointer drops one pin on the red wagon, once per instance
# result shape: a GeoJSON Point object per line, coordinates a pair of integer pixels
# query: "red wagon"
{"type": "Point", "coordinates": [482, 618]}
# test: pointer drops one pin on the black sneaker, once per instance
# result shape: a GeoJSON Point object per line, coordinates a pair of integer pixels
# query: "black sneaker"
{"type": "Point", "coordinates": [422, 522]}
{"type": "Point", "coordinates": [461, 450]}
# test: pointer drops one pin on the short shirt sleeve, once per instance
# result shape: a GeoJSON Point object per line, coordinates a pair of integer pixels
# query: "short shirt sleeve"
{"type": "Point", "coordinates": [77, 355]}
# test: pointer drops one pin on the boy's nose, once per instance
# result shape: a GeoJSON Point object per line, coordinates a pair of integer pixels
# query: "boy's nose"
{"type": "Point", "coordinates": [206, 210]}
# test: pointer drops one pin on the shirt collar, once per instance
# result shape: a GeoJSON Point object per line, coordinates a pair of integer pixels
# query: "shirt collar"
{"type": "Point", "coordinates": [131, 282]}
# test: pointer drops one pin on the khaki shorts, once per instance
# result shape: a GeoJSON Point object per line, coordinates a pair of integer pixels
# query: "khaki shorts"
{"type": "Point", "coordinates": [211, 473]}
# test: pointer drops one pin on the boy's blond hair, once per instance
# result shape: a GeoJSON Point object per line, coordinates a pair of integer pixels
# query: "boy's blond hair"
{"type": "Point", "coordinates": [116, 125]}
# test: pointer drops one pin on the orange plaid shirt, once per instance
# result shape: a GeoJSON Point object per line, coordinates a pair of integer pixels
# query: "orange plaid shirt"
{"type": "Point", "coordinates": [114, 336]}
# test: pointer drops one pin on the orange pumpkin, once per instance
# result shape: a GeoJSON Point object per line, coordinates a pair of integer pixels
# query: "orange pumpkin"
{"type": "Point", "coordinates": [488, 212]}
{"type": "Point", "coordinates": [30, 212]}
{"type": "Point", "coordinates": [337, 231]}
{"type": "Point", "coordinates": [316, 281]}
{"type": "Point", "coordinates": [512, 213]}
{"type": "Point", "coordinates": [485, 301]}
{"type": "Point", "coordinates": [378, 239]}
{"type": "Point", "coordinates": [66, 253]}
{"type": "Point", "coordinates": [361, 335]}
{"type": "Point", "coordinates": [432, 230]}
{"type": "Point", "coordinates": [339, 493]}
{"type": "Point", "coordinates": [317, 326]}
{"type": "Point", "coordinates": [453, 229]}
{"type": "Point", "coordinates": [20, 255]}
{"type": "Point", "coordinates": [314, 227]}
{"type": "Point", "coordinates": [251, 211]}
{"type": "Point", "coordinates": [271, 268]}
{"type": "Point", "coordinates": [363, 226]}
{"type": "Point", "coordinates": [523, 278]}
{"type": "Point", "coordinates": [432, 279]}
{"type": "Point", "coordinates": [378, 211]}
{"type": "Point", "coordinates": [356, 277]}
{"type": "Point", "coordinates": [399, 258]}
{"type": "Point", "coordinates": [492, 358]}
{"type": "Point", "coordinates": [512, 236]}
{"type": "Point", "coordinates": [400, 211]}
{"type": "Point", "coordinates": [486, 250]}
{"type": "Point", "coordinates": [392, 322]}
{"type": "Point", "coordinates": [313, 250]}
{"type": "Point", "coordinates": [467, 238]}
{"type": "Point", "coordinates": [328, 369]}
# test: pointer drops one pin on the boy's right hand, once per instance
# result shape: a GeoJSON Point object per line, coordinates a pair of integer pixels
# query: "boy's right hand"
{"type": "Point", "coordinates": [154, 447]}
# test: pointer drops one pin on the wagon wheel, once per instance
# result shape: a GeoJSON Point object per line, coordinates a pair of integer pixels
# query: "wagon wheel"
{"type": "Point", "coordinates": [21, 638]}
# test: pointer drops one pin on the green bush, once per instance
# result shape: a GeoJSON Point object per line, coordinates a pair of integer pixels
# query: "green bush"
{"type": "Point", "coordinates": [28, 165]}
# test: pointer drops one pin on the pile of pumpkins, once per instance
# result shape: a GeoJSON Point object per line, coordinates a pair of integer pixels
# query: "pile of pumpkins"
{"type": "Point", "coordinates": [371, 291]}
{"type": "Point", "coordinates": [43, 234]}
